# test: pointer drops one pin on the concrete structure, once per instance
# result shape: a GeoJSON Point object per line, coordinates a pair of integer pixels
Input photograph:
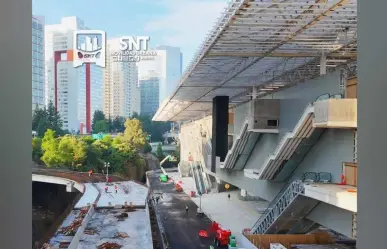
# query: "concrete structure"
{"type": "Point", "coordinates": [75, 92]}
{"type": "Point", "coordinates": [167, 66]}
{"type": "Point", "coordinates": [37, 62]}
{"type": "Point", "coordinates": [101, 218]}
{"type": "Point", "coordinates": [292, 109]}
{"type": "Point", "coordinates": [71, 186]}
{"type": "Point", "coordinates": [150, 93]}
{"type": "Point", "coordinates": [121, 93]}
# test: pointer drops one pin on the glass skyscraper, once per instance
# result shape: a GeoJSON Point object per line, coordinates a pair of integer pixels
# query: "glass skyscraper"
{"type": "Point", "coordinates": [37, 62]}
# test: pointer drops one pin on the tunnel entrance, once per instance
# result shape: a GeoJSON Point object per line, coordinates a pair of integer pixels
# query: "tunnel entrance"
{"type": "Point", "coordinates": [51, 204]}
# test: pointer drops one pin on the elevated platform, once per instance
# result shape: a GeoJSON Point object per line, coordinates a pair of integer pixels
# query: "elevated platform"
{"type": "Point", "coordinates": [294, 146]}
{"type": "Point", "coordinates": [342, 196]}
{"type": "Point", "coordinates": [242, 148]}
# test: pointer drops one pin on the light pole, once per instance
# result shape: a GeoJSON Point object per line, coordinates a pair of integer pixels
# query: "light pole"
{"type": "Point", "coordinates": [107, 166]}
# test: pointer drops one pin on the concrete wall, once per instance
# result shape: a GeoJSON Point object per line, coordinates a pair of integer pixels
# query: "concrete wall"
{"type": "Point", "coordinates": [332, 217]}
{"type": "Point", "coordinates": [324, 157]}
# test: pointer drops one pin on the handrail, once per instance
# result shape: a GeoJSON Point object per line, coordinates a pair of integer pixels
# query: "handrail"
{"type": "Point", "coordinates": [266, 220]}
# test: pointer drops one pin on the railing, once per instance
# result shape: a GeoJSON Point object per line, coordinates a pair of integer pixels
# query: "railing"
{"type": "Point", "coordinates": [273, 212]}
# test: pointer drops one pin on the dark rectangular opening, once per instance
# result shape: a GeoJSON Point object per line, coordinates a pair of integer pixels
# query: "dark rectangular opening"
{"type": "Point", "coordinates": [272, 122]}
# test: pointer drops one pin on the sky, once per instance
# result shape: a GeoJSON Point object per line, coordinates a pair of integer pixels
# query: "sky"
{"type": "Point", "coordinates": [180, 23]}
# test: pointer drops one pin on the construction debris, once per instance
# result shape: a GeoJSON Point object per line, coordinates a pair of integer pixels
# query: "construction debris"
{"type": "Point", "coordinates": [108, 245]}
{"type": "Point", "coordinates": [122, 216]}
{"type": "Point", "coordinates": [130, 209]}
{"type": "Point", "coordinates": [64, 244]}
{"type": "Point", "coordinates": [46, 246]}
{"type": "Point", "coordinates": [90, 231]}
{"type": "Point", "coordinates": [73, 227]}
{"type": "Point", "coordinates": [120, 235]}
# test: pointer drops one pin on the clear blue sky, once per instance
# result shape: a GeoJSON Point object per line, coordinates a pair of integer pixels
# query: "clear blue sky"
{"type": "Point", "coordinates": [181, 23]}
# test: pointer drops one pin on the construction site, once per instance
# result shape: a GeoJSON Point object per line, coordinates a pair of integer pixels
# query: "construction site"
{"type": "Point", "coordinates": [267, 111]}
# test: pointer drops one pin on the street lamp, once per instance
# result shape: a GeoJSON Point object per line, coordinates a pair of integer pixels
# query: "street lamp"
{"type": "Point", "coordinates": [107, 166]}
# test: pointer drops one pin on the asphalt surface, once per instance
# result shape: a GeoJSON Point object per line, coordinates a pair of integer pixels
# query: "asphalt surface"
{"type": "Point", "coordinates": [181, 228]}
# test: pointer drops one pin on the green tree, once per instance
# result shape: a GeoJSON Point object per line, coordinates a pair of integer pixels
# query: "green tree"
{"type": "Point", "coordinates": [37, 149]}
{"type": "Point", "coordinates": [54, 119]}
{"type": "Point", "coordinates": [97, 116]}
{"type": "Point", "coordinates": [51, 155]}
{"type": "Point", "coordinates": [147, 148]}
{"type": "Point", "coordinates": [100, 126]}
{"type": "Point", "coordinates": [133, 134]}
{"type": "Point", "coordinates": [118, 124]}
{"type": "Point", "coordinates": [159, 152]}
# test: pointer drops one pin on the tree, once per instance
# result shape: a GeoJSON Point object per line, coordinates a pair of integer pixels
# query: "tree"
{"type": "Point", "coordinates": [134, 134]}
{"type": "Point", "coordinates": [118, 124]}
{"type": "Point", "coordinates": [159, 152]}
{"type": "Point", "coordinates": [54, 119]}
{"type": "Point", "coordinates": [44, 119]}
{"type": "Point", "coordinates": [37, 149]}
{"type": "Point", "coordinates": [147, 148]}
{"type": "Point", "coordinates": [97, 116]}
{"type": "Point", "coordinates": [100, 126]}
{"type": "Point", "coordinates": [50, 149]}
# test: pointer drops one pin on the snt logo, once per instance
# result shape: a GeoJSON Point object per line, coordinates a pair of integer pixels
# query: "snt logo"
{"type": "Point", "coordinates": [89, 47]}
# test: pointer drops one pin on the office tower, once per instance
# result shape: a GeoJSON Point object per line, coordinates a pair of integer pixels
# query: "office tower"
{"type": "Point", "coordinates": [75, 92]}
{"type": "Point", "coordinates": [37, 62]}
{"type": "Point", "coordinates": [121, 94]}
{"type": "Point", "coordinates": [167, 65]}
{"type": "Point", "coordinates": [149, 93]}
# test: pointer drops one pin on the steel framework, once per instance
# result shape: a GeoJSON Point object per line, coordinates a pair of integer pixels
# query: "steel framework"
{"type": "Point", "coordinates": [267, 45]}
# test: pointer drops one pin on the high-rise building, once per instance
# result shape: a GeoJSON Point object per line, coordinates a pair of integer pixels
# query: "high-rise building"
{"type": "Point", "coordinates": [75, 92]}
{"type": "Point", "coordinates": [168, 66]}
{"type": "Point", "coordinates": [37, 62]}
{"type": "Point", "coordinates": [149, 93]}
{"type": "Point", "coordinates": [121, 93]}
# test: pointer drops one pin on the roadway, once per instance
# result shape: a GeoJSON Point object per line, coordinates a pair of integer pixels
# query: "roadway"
{"type": "Point", "coordinates": [181, 228]}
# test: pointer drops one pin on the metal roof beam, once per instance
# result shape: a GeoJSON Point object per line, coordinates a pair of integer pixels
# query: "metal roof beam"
{"type": "Point", "coordinates": [246, 54]}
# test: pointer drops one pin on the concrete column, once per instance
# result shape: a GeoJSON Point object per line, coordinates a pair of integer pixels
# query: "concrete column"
{"type": "Point", "coordinates": [219, 129]}
{"type": "Point", "coordinates": [372, 123]}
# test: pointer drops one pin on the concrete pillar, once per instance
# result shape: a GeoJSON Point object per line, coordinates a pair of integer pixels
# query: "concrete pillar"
{"type": "Point", "coordinates": [219, 129]}
{"type": "Point", "coordinates": [372, 123]}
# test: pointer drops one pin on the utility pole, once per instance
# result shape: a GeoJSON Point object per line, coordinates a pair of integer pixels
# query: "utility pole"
{"type": "Point", "coordinates": [107, 166]}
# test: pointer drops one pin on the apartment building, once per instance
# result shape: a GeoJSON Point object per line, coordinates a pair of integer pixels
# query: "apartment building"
{"type": "Point", "coordinates": [121, 93]}
{"type": "Point", "coordinates": [75, 92]}
{"type": "Point", "coordinates": [38, 92]}
{"type": "Point", "coordinates": [168, 65]}
{"type": "Point", "coordinates": [280, 125]}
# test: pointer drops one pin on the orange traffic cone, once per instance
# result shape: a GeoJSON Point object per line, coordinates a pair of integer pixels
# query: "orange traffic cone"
{"type": "Point", "coordinates": [343, 181]}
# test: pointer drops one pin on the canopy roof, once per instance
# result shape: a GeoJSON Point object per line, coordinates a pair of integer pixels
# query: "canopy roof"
{"type": "Point", "coordinates": [266, 45]}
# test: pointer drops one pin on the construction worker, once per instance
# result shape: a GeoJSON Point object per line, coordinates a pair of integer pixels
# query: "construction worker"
{"type": "Point", "coordinates": [186, 209]}
{"type": "Point", "coordinates": [116, 188]}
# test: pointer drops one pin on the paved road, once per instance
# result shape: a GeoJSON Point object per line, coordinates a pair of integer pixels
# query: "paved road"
{"type": "Point", "coordinates": [181, 228]}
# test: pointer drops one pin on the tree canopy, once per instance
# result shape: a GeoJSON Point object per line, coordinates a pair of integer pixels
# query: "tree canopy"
{"type": "Point", "coordinates": [47, 118]}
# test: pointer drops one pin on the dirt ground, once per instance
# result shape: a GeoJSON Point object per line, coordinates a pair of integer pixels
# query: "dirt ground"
{"type": "Point", "coordinates": [76, 176]}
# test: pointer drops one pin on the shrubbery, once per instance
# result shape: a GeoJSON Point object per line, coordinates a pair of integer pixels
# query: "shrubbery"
{"type": "Point", "coordinates": [82, 153]}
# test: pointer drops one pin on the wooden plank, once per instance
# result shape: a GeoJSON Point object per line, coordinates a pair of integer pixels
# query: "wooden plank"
{"type": "Point", "coordinates": [351, 88]}
{"type": "Point", "coordinates": [350, 173]}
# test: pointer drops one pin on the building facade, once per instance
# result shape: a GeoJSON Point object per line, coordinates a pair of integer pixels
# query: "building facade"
{"type": "Point", "coordinates": [38, 87]}
{"type": "Point", "coordinates": [167, 65]}
{"type": "Point", "coordinates": [75, 92]}
{"type": "Point", "coordinates": [121, 93]}
{"type": "Point", "coordinates": [149, 94]}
